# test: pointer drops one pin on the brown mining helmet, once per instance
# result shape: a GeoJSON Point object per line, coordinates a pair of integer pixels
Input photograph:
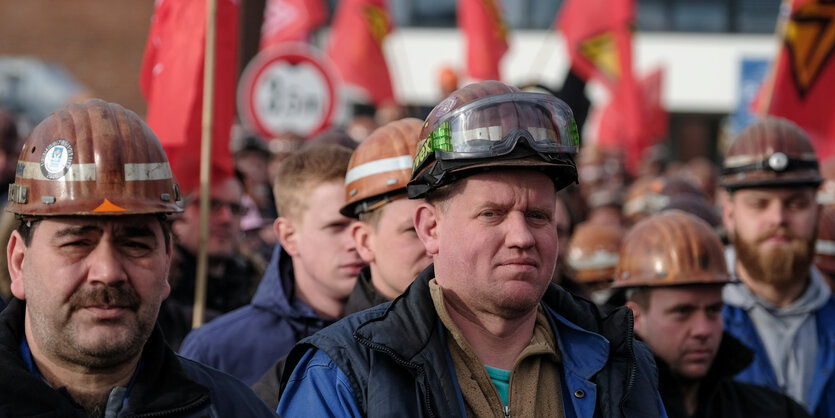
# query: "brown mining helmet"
{"type": "Point", "coordinates": [380, 167]}
{"type": "Point", "coordinates": [92, 158]}
{"type": "Point", "coordinates": [770, 152]}
{"type": "Point", "coordinates": [826, 191]}
{"type": "Point", "coordinates": [490, 125]}
{"type": "Point", "coordinates": [671, 248]}
{"type": "Point", "coordinates": [825, 244]}
{"type": "Point", "coordinates": [593, 252]}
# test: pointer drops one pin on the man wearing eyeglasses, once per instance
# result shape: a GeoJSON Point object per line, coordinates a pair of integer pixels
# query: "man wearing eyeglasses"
{"type": "Point", "coordinates": [232, 275]}
{"type": "Point", "coordinates": [482, 331]}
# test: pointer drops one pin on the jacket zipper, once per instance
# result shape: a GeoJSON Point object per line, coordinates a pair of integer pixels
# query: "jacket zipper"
{"type": "Point", "coordinates": [632, 361]}
{"type": "Point", "coordinates": [506, 410]}
{"type": "Point", "coordinates": [396, 357]}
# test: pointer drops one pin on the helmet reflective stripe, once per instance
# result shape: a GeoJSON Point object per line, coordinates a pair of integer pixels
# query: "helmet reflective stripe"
{"type": "Point", "coordinates": [740, 160]}
{"type": "Point", "coordinates": [825, 247]}
{"type": "Point", "coordinates": [601, 259]}
{"type": "Point", "coordinates": [77, 172]}
{"type": "Point", "coordinates": [87, 172]}
{"type": "Point", "coordinates": [148, 171]}
{"type": "Point", "coordinates": [403, 162]}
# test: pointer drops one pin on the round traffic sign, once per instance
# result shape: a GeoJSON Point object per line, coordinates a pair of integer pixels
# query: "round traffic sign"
{"type": "Point", "coordinates": [287, 88]}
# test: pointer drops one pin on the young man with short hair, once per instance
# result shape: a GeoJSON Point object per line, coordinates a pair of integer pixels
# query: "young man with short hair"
{"type": "Point", "coordinates": [309, 278]}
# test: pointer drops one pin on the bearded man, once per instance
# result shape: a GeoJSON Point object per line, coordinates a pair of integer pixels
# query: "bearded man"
{"type": "Point", "coordinates": [779, 305]}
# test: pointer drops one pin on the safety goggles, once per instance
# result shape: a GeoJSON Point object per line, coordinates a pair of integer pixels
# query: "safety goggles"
{"type": "Point", "coordinates": [494, 125]}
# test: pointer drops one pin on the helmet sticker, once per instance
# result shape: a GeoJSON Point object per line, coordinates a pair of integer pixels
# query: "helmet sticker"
{"type": "Point", "coordinates": [445, 106]}
{"type": "Point", "coordinates": [57, 159]}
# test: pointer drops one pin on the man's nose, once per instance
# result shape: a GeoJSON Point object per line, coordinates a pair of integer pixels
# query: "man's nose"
{"type": "Point", "coordinates": [776, 213]}
{"type": "Point", "coordinates": [105, 265]}
{"type": "Point", "coordinates": [518, 231]}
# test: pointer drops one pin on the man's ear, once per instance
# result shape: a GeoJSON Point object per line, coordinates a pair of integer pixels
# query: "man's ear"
{"type": "Point", "coordinates": [285, 230]}
{"type": "Point", "coordinates": [638, 314]}
{"type": "Point", "coordinates": [426, 226]}
{"type": "Point", "coordinates": [364, 240]}
{"type": "Point", "coordinates": [727, 204]}
{"type": "Point", "coordinates": [15, 254]}
{"type": "Point", "coordinates": [169, 256]}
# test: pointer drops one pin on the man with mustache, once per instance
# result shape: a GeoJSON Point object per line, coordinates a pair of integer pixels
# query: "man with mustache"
{"type": "Point", "coordinates": [779, 304]}
{"type": "Point", "coordinates": [673, 269]}
{"type": "Point", "coordinates": [89, 263]}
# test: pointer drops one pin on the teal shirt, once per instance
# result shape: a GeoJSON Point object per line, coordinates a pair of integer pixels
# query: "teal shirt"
{"type": "Point", "coordinates": [501, 380]}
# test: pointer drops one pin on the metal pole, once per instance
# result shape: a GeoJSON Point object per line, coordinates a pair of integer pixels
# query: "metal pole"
{"type": "Point", "coordinates": [205, 165]}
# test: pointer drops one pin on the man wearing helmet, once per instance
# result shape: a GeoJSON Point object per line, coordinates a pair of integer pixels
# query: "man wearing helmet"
{"type": "Point", "coordinates": [89, 265]}
{"type": "Point", "coordinates": [779, 304]}
{"type": "Point", "coordinates": [673, 269]}
{"type": "Point", "coordinates": [375, 192]}
{"type": "Point", "coordinates": [489, 166]}
{"type": "Point", "coordinates": [385, 237]}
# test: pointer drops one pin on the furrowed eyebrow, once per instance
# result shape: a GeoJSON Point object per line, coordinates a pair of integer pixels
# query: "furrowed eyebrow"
{"type": "Point", "coordinates": [136, 231]}
{"type": "Point", "coordinates": [76, 231]}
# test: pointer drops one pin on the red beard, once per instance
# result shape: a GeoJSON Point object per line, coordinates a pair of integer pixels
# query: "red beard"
{"type": "Point", "coordinates": [779, 265]}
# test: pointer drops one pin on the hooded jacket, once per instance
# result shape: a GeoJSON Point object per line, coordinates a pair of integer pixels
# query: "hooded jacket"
{"type": "Point", "coordinates": [248, 340]}
{"type": "Point", "coordinates": [720, 395]}
{"type": "Point", "coordinates": [392, 360]}
{"type": "Point", "coordinates": [363, 296]}
{"type": "Point", "coordinates": [738, 322]}
{"type": "Point", "coordinates": [165, 385]}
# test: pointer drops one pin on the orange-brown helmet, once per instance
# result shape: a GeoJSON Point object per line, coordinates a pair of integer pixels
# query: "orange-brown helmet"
{"type": "Point", "coordinates": [825, 245]}
{"type": "Point", "coordinates": [669, 249]}
{"type": "Point", "coordinates": [770, 152]}
{"type": "Point", "coordinates": [491, 124]}
{"type": "Point", "coordinates": [380, 167]}
{"type": "Point", "coordinates": [826, 191]}
{"type": "Point", "coordinates": [92, 158]}
{"type": "Point", "coordinates": [593, 251]}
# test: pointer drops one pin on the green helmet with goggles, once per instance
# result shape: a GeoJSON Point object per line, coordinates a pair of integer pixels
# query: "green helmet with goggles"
{"type": "Point", "coordinates": [491, 124]}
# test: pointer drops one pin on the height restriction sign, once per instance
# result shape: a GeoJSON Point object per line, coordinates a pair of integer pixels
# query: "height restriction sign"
{"type": "Point", "coordinates": [287, 88]}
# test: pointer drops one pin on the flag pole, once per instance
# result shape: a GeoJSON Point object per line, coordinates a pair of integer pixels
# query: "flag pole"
{"type": "Point", "coordinates": [205, 164]}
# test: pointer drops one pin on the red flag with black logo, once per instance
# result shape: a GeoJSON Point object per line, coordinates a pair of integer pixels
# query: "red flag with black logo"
{"type": "Point", "coordinates": [291, 21]}
{"type": "Point", "coordinates": [634, 120]}
{"type": "Point", "coordinates": [486, 34]}
{"type": "Point", "coordinates": [356, 47]}
{"type": "Point", "coordinates": [171, 80]}
{"type": "Point", "coordinates": [803, 75]}
{"type": "Point", "coordinates": [598, 34]}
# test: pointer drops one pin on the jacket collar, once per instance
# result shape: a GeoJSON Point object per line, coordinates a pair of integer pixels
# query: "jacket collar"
{"type": "Point", "coordinates": [160, 384]}
{"type": "Point", "coordinates": [364, 295]}
{"type": "Point", "coordinates": [275, 292]}
{"type": "Point", "coordinates": [583, 351]}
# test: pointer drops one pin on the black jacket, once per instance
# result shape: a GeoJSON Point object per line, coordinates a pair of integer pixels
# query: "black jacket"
{"type": "Point", "coordinates": [396, 359]}
{"type": "Point", "coordinates": [721, 396]}
{"type": "Point", "coordinates": [166, 386]}
{"type": "Point", "coordinates": [363, 296]}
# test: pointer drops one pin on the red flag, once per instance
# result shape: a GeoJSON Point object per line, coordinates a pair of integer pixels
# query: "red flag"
{"type": "Point", "coordinates": [803, 75]}
{"type": "Point", "coordinates": [291, 21]}
{"type": "Point", "coordinates": [634, 131]}
{"type": "Point", "coordinates": [171, 79]}
{"type": "Point", "coordinates": [356, 47]}
{"type": "Point", "coordinates": [598, 34]}
{"type": "Point", "coordinates": [482, 23]}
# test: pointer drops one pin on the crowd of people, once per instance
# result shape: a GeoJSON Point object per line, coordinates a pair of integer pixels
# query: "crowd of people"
{"type": "Point", "coordinates": [481, 262]}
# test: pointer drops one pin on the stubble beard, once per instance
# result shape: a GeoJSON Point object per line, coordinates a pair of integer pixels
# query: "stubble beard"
{"type": "Point", "coordinates": [63, 337]}
{"type": "Point", "coordinates": [779, 266]}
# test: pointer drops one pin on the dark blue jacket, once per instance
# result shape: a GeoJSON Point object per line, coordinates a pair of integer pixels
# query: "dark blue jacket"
{"type": "Point", "coordinates": [248, 340]}
{"type": "Point", "coordinates": [822, 393]}
{"type": "Point", "coordinates": [165, 385]}
{"type": "Point", "coordinates": [392, 360]}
